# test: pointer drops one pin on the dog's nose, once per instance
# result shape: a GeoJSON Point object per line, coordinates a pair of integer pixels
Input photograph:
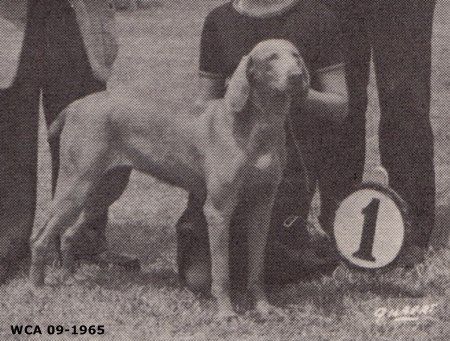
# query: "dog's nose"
{"type": "Point", "coordinates": [295, 78]}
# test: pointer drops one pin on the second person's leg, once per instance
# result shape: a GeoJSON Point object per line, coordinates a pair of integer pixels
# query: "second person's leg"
{"type": "Point", "coordinates": [288, 234]}
{"type": "Point", "coordinates": [401, 33]}
{"type": "Point", "coordinates": [350, 147]}
{"type": "Point", "coordinates": [19, 117]}
{"type": "Point", "coordinates": [193, 252]}
{"type": "Point", "coordinates": [68, 77]}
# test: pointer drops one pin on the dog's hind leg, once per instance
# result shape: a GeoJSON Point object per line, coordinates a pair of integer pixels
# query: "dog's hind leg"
{"type": "Point", "coordinates": [67, 245]}
{"type": "Point", "coordinates": [88, 240]}
{"type": "Point", "coordinates": [64, 212]}
{"type": "Point", "coordinates": [74, 185]}
{"type": "Point", "coordinates": [101, 195]}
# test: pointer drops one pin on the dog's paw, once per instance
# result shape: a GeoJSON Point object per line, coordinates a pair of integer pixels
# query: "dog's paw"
{"type": "Point", "coordinates": [37, 275]}
{"type": "Point", "coordinates": [226, 315]}
{"type": "Point", "coordinates": [62, 276]}
{"type": "Point", "coordinates": [38, 291]}
{"type": "Point", "coordinates": [266, 311]}
{"type": "Point", "coordinates": [198, 277]}
{"type": "Point", "coordinates": [224, 306]}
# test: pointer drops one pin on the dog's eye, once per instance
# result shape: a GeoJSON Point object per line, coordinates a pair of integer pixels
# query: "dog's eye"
{"type": "Point", "coordinates": [299, 59]}
{"type": "Point", "coordinates": [273, 56]}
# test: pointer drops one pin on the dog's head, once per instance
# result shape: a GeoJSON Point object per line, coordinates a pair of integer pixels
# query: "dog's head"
{"type": "Point", "coordinates": [273, 68]}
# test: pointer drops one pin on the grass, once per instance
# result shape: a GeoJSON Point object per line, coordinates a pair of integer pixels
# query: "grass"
{"type": "Point", "coordinates": [159, 48]}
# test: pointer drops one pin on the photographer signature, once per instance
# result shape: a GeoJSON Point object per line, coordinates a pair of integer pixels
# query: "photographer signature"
{"type": "Point", "coordinates": [405, 314]}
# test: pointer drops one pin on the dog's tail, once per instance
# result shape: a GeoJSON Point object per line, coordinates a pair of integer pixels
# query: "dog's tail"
{"type": "Point", "coordinates": [55, 129]}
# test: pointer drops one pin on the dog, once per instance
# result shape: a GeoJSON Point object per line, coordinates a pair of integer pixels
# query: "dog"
{"type": "Point", "coordinates": [232, 153]}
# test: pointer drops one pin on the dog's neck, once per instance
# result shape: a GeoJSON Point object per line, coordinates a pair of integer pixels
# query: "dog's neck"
{"type": "Point", "coordinates": [269, 105]}
{"type": "Point", "coordinates": [263, 116]}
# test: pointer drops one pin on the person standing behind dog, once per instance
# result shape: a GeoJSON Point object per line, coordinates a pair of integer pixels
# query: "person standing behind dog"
{"type": "Point", "coordinates": [61, 50]}
{"type": "Point", "coordinates": [229, 33]}
{"type": "Point", "coordinates": [398, 33]}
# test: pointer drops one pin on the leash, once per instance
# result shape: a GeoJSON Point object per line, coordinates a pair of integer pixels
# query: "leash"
{"type": "Point", "coordinates": [290, 220]}
{"type": "Point", "coordinates": [307, 182]}
{"type": "Point", "coordinates": [298, 149]}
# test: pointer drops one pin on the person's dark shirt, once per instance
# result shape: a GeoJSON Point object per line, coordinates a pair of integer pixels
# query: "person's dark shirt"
{"type": "Point", "coordinates": [228, 35]}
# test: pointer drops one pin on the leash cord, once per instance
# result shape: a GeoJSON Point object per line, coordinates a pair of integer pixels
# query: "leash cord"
{"type": "Point", "coordinates": [298, 149]}
{"type": "Point", "coordinates": [302, 161]}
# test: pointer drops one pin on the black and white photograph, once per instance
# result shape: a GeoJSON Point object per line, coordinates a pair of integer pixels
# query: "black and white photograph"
{"type": "Point", "coordinates": [225, 170]}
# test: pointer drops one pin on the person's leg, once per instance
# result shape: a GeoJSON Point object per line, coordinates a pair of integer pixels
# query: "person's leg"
{"type": "Point", "coordinates": [67, 74]}
{"type": "Point", "coordinates": [350, 147]}
{"type": "Point", "coordinates": [19, 116]}
{"type": "Point", "coordinates": [193, 252]}
{"type": "Point", "coordinates": [68, 78]}
{"type": "Point", "coordinates": [401, 33]}
{"type": "Point", "coordinates": [331, 182]}
{"type": "Point", "coordinates": [288, 233]}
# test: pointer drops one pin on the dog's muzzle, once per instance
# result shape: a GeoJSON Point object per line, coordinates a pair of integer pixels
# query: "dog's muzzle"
{"type": "Point", "coordinates": [296, 80]}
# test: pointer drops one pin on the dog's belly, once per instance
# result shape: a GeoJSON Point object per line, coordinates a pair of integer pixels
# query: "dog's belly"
{"type": "Point", "coordinates": [180, 167]}
{"type": "Point", "coordinates": [178, 175]}
{"type": "Point", "coordinates": [160, 144]}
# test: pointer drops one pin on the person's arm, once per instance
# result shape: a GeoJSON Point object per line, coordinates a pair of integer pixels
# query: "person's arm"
{"type": "Point", "coordinates": [15, 11]}
{"type": "Point", "coordinates": [329, 99]}
{"type": "Point", "coordinates": [212, 76]}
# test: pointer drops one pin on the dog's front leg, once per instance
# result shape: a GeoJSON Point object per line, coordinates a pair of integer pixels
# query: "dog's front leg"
{"type": "Point", "coordinates": [219, 208]}
{"type": "Point", "coordinates": [258, 228]}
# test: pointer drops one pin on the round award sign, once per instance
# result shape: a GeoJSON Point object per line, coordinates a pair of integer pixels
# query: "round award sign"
{"type": "Point", "coordinates": [370, 227]}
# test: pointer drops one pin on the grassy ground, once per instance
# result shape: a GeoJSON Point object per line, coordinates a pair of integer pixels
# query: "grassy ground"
{"type": "Point", "coordinates": [159, 57]}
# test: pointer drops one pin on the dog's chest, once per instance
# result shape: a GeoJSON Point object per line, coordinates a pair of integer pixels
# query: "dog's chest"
{"type": "Point", "coordinates": [265, 166]}
{"type": "Point", "coordinates": [264, 161]}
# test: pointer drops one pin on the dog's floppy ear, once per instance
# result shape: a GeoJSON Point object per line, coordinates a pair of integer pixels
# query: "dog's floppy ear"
{"type": "Point", "coordinates": [306, 77]}
{"type": "Point", "coordinates": [238, 88]}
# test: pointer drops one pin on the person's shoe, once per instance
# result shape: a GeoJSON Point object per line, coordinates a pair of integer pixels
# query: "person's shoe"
{"type": "Point", "coordinates": [19, 250]}
{"type": "Point", "coordinates": [198, 276]}
{"type": "Point", "coordinates": [307, 255]}
{"type": "Point", "coordinates": [411, 256]}
{"type": "Point", "coordinates": [326, 249]}
{"type": "Point", "coordinates": [279, 268]}
{"type": "Point", "coordinates": [288, 265]}
{"type": "Point", "coordinates": [193, 254]}
{"type": "Point", "coordinates": [194, 262]}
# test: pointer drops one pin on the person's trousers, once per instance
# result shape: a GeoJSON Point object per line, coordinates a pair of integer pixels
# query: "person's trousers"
{"type": "Point", "coordinates": [54, 65]}
{"type": "Point", "coordinates": [312, 162]}
{"type": "Point", "coordinates": [399, 33]}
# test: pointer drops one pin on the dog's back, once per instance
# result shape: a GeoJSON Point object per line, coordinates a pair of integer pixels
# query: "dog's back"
{"type": "Point", "coordinates": [165, 139]}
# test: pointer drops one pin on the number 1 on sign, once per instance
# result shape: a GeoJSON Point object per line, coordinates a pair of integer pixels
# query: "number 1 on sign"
{"type": "Point", "coordinates": [368, 233]}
